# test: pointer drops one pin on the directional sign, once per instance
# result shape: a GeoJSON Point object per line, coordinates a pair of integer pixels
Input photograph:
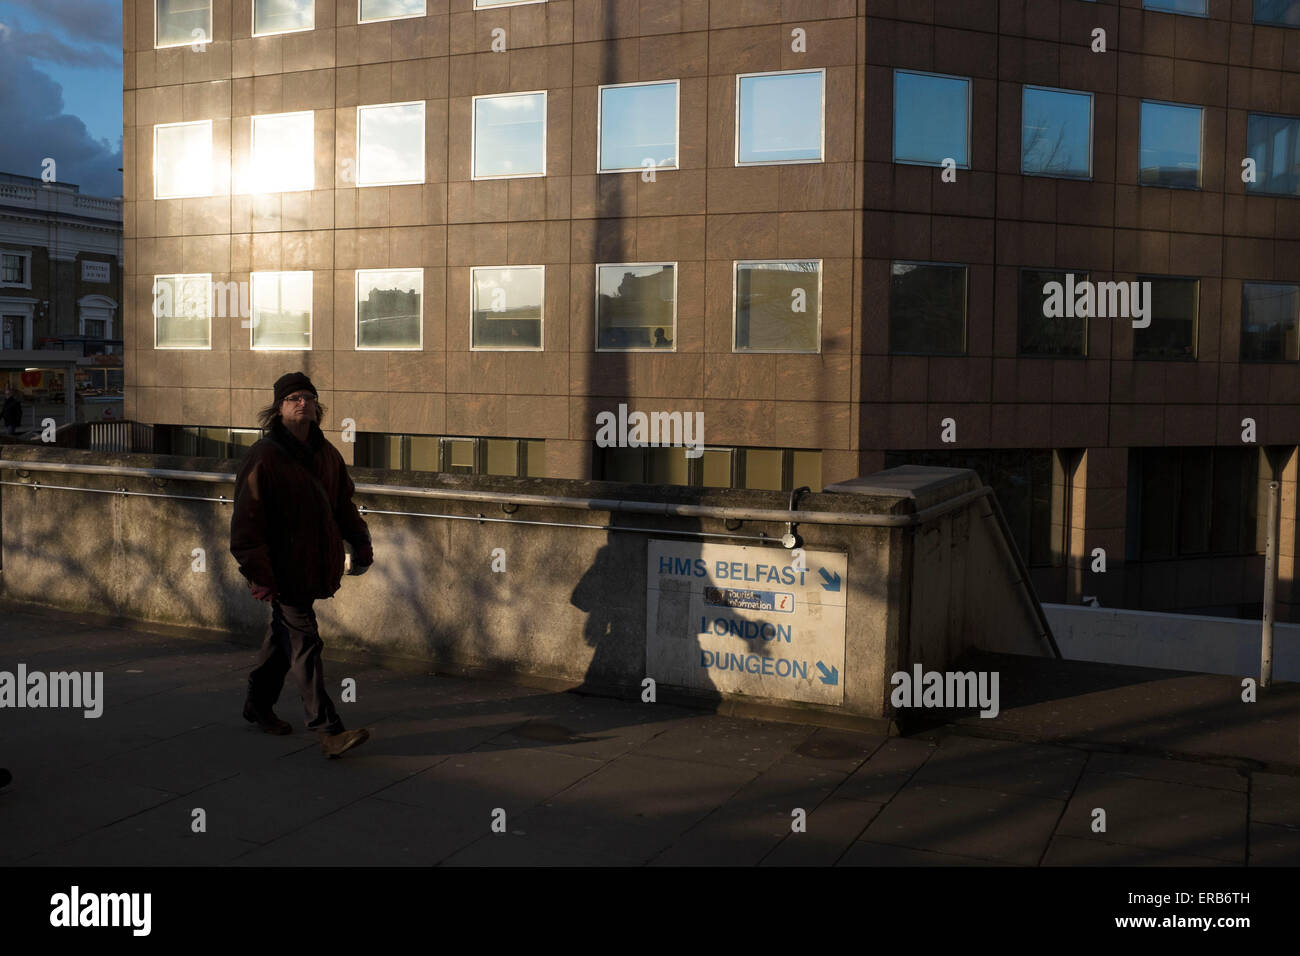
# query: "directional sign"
{"type": "Point", "coordinates": [746, 620]}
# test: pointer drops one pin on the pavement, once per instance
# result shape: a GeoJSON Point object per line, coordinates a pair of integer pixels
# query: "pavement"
{"type": "Point", "coordinates": [1187, 774]}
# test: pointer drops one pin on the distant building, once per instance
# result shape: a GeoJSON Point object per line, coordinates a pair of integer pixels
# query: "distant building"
{"type": "Point", "coordinates": [60, 298]}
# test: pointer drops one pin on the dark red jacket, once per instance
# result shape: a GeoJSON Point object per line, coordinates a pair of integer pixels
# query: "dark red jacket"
{"type": "Point", "coordinates": [288, 530]}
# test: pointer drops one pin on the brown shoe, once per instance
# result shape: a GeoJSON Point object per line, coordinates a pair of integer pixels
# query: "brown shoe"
{"type": "Point", "coordinates": [267, 720]}
{"type": "Point", "coordinates": [335, 745]}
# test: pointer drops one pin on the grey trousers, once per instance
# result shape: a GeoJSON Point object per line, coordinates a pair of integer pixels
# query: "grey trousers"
{"type": "Point", "coordinates": [292, 646]}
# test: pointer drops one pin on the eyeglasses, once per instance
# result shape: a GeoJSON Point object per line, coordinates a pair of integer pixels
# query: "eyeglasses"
{"type": "Point", "coordinates": [300, 398]}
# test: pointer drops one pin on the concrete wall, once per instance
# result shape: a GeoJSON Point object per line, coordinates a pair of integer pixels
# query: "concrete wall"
{"type": "Point", "coordinates": [1181, 642]}
{"type": "Point", "coordinates": [570, 608]}
{"type": "Point", "coordinates": [959, 583]}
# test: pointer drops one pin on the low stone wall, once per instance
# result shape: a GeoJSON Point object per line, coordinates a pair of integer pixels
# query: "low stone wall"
{"type": "Point", "coordinates": [570, 606]}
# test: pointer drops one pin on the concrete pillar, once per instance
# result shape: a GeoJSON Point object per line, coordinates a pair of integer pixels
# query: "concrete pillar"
{"type": "Point", "coordinates": [1099, 490]}
{"type": "Point", "coordinates": [568, 459]}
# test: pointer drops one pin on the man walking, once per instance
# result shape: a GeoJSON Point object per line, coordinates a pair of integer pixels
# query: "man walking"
{"type": "Point", "coordinates": [293, 511]}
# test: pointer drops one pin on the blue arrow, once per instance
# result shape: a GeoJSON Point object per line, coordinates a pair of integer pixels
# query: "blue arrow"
{"type": "Point", "coordinates": [831, 677]}
{"type": "Point", "coordinates": [832, 580]}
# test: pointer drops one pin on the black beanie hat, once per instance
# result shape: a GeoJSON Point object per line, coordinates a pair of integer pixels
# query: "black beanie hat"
{"type": "Point", "coordinates": [286, 385]}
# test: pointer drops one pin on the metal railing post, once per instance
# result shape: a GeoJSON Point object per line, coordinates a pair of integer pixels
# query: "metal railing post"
{"type": "Point", "coordinates": [1270, 586]}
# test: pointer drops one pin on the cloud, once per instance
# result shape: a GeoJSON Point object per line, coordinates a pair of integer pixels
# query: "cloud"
{"type": "Point", "coordinates": [36, 127]}
{"type": "Point", "coordinates": [94, 22]}
{"type": "Point", "coordinates": [44, 46]}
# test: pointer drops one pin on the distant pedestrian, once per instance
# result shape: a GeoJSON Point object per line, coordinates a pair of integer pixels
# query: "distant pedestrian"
{"type": "Point", "coordinates": [293, 511]}
{"type": "Point", "coordinates": [11, 413]}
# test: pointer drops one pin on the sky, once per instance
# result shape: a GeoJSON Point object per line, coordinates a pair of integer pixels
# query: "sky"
{"type": "Point", "coordinates": [61, 91]}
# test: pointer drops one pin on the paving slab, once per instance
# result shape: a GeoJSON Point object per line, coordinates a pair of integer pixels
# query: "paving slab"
{"type": "Point", "coordinates": [465, 789]}
{"type": "Point", "coordinates": [160, 836]}
{"type": "Point", "coordinates": [1003, 765]}
{"type": "Point", "coordinates": [887, 770]}
{"type": "Point", "coordinates": [1275, 799]}
{"type": "Point", "coordinates": [840, 750]}
{"type": "Point", "coordinates": [1171, 817]}
{"type": "Point", "coordinates": [968, 821]}
{"type": "Point", "coordinates": [833, 828]}
{"type": "Point", "coordinates": [369, 832]}
{"type": "Point", "coordinates": [1274, 846]}
{"type": "Point", "coordinates": [636, 806]}
{"type": "Point", "coordinates": [36, 816]}
{"type": "Point", "coordinates": [865, 853]}
{"type": "Point", "coordinates": [520, 849]}
{"type": "Point", "coordinates": [756, 818]}
{"type": "Point", "coordinates": [727, 741]}
{"type": "Point", "coordinates": [1170, 771]}
{"type": "Point", "coordinates": [1072, 851]}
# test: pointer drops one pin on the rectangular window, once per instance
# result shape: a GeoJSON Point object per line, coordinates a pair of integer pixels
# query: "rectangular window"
{"type": "Point", "coordinates": [1174, 305]}
{"type": "Point", "coordinates": [13, 269]}
{"type": "Point", "coordinates": [772, 469]}
{"type": "Point", "coordinates": [927, 309]}
{"type": "Point", "coordinates": [458, 457]}
{"type": "Point", "coordinates": [283, 16]}
{"type": "Point", "coordinates": [182, 310]}
{"type": "Point", "coordinates": [284, 154]}
{"type": "Point", "coordinates": [176, 20]}
{"type": "Point", "coordinates": [636, 306]}
{"type": "Point", "coordinates": [1049, 322]}
{"type": "Point", "coordinates": [1282, 13]}
{"type": "Point", "coordinates": [243, 438]}
{"type": "Point", "coordinates": [1170, 151]}
{"type": "Point", "coordinates": [389, 312]}
{"type": "Point", "coordinates": [638, 127]}
{"type": "Point", "coordinates": [1270, 314]}
{"type": "Point", "coordinates": [390, 144]}
{"type": "Point", "coordinates": [1056, 133]}
{"type": "Point", "coordinates": [1273, 142]}
{"type": "Point", "coordinates": [182, 160]}
{"type": "Point", "coordinates": [931, 119]}
{"type": "Point", "coordinates": [507, 307]}
{"type": "Point", "coordinates": [199, 441]}
{"type": "Point", "coordinates": [512, 457]}
{"type": "Point", "coordinates": [716, 466]}
{"type": "Point", "coordinates": [777, 306]}
{"type": "Point", "coordinates": [1185, 502]}
{"type": "Point", "coordinates": [369, 11]}
{"type": "Point", "coordinates": [509, 135]}
{"type": "Point", "coordinates": [1194, 8]}
{"type": "Point", "coordinates": [282, 307]}
{"type": "Point", "coordinates": [780, 117]}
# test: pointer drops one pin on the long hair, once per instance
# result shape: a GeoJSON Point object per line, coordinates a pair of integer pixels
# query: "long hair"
{"type": "Point", "coordinates": [271, 414]}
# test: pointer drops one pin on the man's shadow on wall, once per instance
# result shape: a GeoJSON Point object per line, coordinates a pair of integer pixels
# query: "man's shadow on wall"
{"type": "Point", "coordinates": [614, 593]}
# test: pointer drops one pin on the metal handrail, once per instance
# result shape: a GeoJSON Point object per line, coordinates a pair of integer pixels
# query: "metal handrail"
{"type": "Point", "coordinates": [613, 505]}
